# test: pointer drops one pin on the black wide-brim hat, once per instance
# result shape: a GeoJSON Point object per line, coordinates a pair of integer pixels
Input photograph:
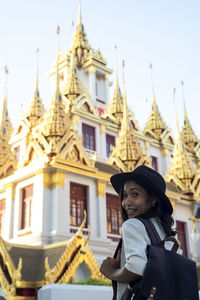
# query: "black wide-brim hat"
{"type": "Point", "coordinates": [149, 179]}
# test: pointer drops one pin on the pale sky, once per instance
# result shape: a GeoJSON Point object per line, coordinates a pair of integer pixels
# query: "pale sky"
{"type": "Point", "coordinates": [165, 33]}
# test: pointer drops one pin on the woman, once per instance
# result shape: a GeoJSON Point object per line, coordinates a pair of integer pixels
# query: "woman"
{"type": "Point", "coordinates": [142, 193]}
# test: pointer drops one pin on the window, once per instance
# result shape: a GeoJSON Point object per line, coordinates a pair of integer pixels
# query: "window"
{"type": "Point", "coordinates": [27, 196]}
{"type": "Point", "coordinates": [182, 236]}
{"type": "Point", "coordinates": [88, 137]}
{"type": "Point", "coordinates": [2, 209]}
{"type": "Point", "coordinates": [113, 214]}
{"type": "Point", "coordinates": [78, 203]}
{"type": "Point", "coordinates": [110, 141]}
{"type": "Point", "coordinates": [154, 161]}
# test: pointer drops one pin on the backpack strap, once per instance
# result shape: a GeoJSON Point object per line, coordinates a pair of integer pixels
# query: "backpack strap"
{"type": "Point", "coordinates": [151, 230]}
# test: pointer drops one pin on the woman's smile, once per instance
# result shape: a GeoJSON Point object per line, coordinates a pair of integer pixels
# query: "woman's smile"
{"type": "Point", "coordinates": [135, 200]}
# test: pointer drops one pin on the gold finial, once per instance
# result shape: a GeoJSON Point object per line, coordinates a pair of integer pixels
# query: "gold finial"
{"type": "Point", "coordinates": [37, 67]}
{"type": "Point", "coordinates": [79, 13]}
{"type": "Point", "coordinates": [5, 124]}
{"type": "Point", "coordinates": [188, 136]}
{"type": "Point", "coordinates": [116, 60]}
{"type": "Point", "coordinates": [58, 96]}
{"type": "Point", "coordinates": [174, 100]}
{"type": "Point", "coordinates": [124, 126]}
{"type": "Point", "coordinates": [5, 69]}
{"type": "Point", "coordinates": [151, 74]}
{"type": "Point", "coordinates": [6, 72]}
{"type": "Point", "coordinates": [183, 96]}
{"type": "Point", "coordinates": [57, 29]}
{"type": "Point", "coordinates": [36, 108]}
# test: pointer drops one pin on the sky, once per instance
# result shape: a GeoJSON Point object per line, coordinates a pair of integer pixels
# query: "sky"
{"type": "Point", "coordinates": [165, 33]}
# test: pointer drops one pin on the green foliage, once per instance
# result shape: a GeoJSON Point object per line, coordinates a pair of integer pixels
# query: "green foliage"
{"type": "Point", "coordinates": [92, 281]}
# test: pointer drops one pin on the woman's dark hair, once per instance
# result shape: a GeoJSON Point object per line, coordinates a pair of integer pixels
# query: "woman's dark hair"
{"type": "Point", "coordinates": [155, 211]}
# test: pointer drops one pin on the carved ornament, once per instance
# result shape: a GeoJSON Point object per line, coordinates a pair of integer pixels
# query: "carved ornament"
{"type": "Point", "coordinates": [101, 188]}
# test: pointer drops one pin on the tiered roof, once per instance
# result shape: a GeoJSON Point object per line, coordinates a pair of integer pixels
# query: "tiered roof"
{"type": "Point", "coordinates": [36, 108]}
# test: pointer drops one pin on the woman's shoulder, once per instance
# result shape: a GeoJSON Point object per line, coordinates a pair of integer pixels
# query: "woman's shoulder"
{"type": "Point", "coordinates": [132, 224]}
{"type": "Point", "coordinates": [134, 229]}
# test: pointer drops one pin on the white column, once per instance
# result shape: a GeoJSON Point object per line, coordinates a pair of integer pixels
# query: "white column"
{"type": "Point", "coordinates": [55, 206]}
{"type": "Point", "coordinates": [92, 212]}
{"type": "Point", "coordinates": [103, 142]}
{"type": "Point", "coordinates": [107, 98]}
{"type": "Point", "coordinates": [92, 83]}
{"type": "Point", "coordinates": [101, 209]}
{"type": "Point", "coordinates": [8, 214]}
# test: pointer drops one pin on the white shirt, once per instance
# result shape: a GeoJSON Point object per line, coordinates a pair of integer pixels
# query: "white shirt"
{"type": "Point", "coordinates": [135, 240]}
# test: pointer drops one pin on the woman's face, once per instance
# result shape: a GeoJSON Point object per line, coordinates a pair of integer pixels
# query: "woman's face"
{"type": "Point", "coordinates": [135, 199]}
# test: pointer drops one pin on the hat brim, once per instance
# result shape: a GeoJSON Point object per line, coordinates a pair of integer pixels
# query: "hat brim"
{"type": "Point", "coordinates": [119, 179]}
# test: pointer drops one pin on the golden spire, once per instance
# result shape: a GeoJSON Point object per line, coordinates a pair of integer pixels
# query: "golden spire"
{"type": "Point", "coordinates": [128, 151]}
{"type": "Point", "coordinates": [36, 108]}
{"type": "Point", "coordinates": [125, 121]}
{"type": "Point", "coordinates": [5, 126]}
{"type": "Point", "coordinates": [56, 118]}
{"type": "Point", "coordinates": [115, 107]}
{"type": "Point", "coordinates": [155, 124]}
{"type": "Point", "coordinates": [181, 168]}
{"type": "Point", "coordinates": [188, 136]}
{"type": "Point", "coordinates": [74, 86]}
{"type": "Point", "coordinates": [80, 42]}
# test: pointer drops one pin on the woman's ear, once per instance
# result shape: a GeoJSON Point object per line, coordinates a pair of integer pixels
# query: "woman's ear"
{"type": "Point", "coordinates": [153, 201]}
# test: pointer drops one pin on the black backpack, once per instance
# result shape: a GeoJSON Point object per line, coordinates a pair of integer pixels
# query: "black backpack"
{"type": "Point", "coordinates": [173, 275]}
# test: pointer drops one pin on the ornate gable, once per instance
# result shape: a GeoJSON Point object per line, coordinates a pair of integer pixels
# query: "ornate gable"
{"type": "Point", "coordinates": [156, 127]}
{"type": "Point", "coordinates": [76, 252]}
{"type": "Point", "coordinates": [83, 103]}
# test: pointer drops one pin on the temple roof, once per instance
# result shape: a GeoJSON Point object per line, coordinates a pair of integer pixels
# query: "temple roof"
{"type": "Point", "coordinates": [188, 136]}
{"type": "Point", "coordinates": [116, 105]}
{"type": "Point", "coordinates": [36, 108]}
{"type": "Point", "coordinates": [155, 124]}
{"type": "Point", "coordinates": [74, 87]}
{"type": "Point", "coordinates": [5, 123]}
{"type": "Point", "coordinates": [23, 266]}
{"type": "Point", "coordinates": [181, 169]}
{"type": "Point", "coordinates": [128, 153]}
{"type": "Point", "coordinates": [5, 131]}
{"type": "Point", "coordinates": [55, 120]}
{"type": "Point", "coordinates": [80, 43]}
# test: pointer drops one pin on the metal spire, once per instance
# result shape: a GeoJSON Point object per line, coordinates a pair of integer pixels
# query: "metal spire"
{"type": "Point", "coordinates": [57, 95]}
{"type": "Point", "coordinates": [124, 126]}
{"type": "Point", "coordinates": [79, 14]}
{"type": "Point", "coordinates": [176, 117]}
{"type": "Point", "coordinates": [36, 93]}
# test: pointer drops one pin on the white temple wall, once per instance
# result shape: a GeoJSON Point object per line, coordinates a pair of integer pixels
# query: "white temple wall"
{"type": "Point", "coordinates": [17, 206]}
{"type": "Point", "coordinates": [84, 78]}
{"type": "Point", "coordinates": [183, 213]}
{"type": "Point", "coordinates": [100, 89]}
{"type": "Point", "coordinates": [97, 134]}
{"type": "Point", "coordinates": [92, 203]}
{"type": "Point", "coordinates": [8, 214]}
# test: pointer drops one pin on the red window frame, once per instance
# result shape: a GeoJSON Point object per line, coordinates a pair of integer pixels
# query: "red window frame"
{"type": "Point", "coordinates": [113, 209]}
{"type": "Point", "coordinates": [181, 235]}
{"type": "Point", "coordinates": [154, 162]}
{"type": "Point", "coordinates": [78, 203]}
{"type": "Point", "coordinates": [26, 206]}
{"type": "Point", "coordinates": [2, 209]}
{"type": "Point", "coordinates": [88, 133]}
{"type": "Point", "coordinates": [110, 140]}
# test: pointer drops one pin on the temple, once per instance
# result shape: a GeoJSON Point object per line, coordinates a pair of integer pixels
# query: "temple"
{"type": "Point", "coordinates": [57, 164]}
